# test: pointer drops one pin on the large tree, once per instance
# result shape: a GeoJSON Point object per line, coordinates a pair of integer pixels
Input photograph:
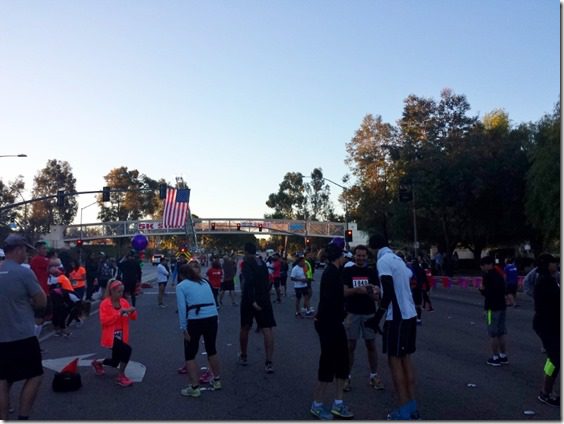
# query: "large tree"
{"type": "Point", "coordinates": [9, 194]}
{"type": "Point", "coordinates": [543, 182]}
{"type": "Point", "coordinates": [137, 199]}
{"type": "Point", "coordinates": [57, 175]}
{"type": "Point", "coordinates": [290, 201]}
{"type": "Point", "coordinates": [370, 157]}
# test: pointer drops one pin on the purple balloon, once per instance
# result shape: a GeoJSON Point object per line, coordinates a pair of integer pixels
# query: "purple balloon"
{"type": "Point", "coordinates": [139, 242]}
{"type": "Point", "coordinates": [338, 241]}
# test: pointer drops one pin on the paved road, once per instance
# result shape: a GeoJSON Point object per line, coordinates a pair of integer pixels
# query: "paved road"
{"type": "Point", "coordinates": [452, 348]}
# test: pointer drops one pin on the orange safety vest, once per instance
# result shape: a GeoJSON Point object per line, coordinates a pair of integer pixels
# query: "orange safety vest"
{"type": "Point", "coordinates": [78, 277]}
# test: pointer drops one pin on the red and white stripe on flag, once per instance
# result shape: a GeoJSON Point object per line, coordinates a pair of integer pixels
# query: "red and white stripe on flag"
{"type": "Point", "coordinates": [174, 215]}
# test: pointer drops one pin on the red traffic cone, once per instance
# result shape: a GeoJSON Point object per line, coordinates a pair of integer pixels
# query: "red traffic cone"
{"type": "Point", "coordinates": [72, 367]}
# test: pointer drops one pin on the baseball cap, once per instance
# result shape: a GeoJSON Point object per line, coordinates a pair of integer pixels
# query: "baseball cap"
{"type": "Point", "coordinates": [16, 240]}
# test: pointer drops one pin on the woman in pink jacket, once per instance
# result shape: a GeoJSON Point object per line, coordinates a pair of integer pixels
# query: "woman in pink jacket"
{"type": "Point", "coordinates": [115, 313]}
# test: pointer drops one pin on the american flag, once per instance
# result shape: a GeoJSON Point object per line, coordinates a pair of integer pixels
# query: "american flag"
{"type": "Point", "coordinates": [175, 207]}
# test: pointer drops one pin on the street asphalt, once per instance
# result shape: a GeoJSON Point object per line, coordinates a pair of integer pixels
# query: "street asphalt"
{"type": "Point", "coordinates": [453, 380]}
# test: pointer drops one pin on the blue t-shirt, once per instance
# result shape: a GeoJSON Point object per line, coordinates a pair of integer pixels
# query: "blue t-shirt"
{"type": "Point", "coordinates": [510, 274]}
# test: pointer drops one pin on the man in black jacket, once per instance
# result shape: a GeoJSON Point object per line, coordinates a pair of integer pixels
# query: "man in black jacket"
{"type": "Point", "coordinates": [255, 304]}
{"type": "Point", "coordinates": [334, 360]}
{"type": "Point", "coordinates": [546, 323]}
{"type": "Point", "coordinates": [493, 290]}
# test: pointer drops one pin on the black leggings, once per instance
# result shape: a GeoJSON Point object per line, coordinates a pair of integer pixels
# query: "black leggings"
{"type": "Point", "coordinates": [121, 352]}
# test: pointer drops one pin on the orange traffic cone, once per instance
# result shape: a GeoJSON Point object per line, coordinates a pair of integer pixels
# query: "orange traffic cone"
{"type": "Point", "coordinates": [72, 367]}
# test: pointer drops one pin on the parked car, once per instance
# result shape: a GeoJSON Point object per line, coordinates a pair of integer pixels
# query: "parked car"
{"type": "Point", "coordinates": [156, 259]}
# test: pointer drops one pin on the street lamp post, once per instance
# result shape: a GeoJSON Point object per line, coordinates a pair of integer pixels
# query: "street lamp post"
{"type": "Point", "coordinates": [344, 197]}
{"type": "Point", "coordinates": [81, 209]}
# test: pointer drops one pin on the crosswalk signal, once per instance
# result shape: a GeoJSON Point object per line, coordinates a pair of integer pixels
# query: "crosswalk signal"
{"type": "Point", "coordinates": [348, 236]}
{"type": "Point", "coordinates": [79, 243]}
{"type": "Point", "coordinates": [61, 198]}
{"type": "Point", "coordinates": [213, 226]}
{"type": "Point", "coordinates": [260, 227]}
{"type": "Point", "coordinates": [238, 227]}
{"type": "Point", "coordinates": [308, 242]}
{"type": "Point", "coordinates": [162, 191]}
{"type": "Point", "coordinates": [106, 194]}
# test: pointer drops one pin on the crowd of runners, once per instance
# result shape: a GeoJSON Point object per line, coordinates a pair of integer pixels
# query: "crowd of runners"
{"type": "Point", "coordinates": [355, 295]}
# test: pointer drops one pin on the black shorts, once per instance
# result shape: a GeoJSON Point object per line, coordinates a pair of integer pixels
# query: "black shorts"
{"type": "Point", "coordinates": [228, 285]}
{"type": "Point", "coordinates": [334, 358]}
{"type": "Point", "coordinates": [264, 317]}
{"type": "Point", "coordinates": [277, 282]}
{"type": "Point", "coordinates": [20, 360]}
{"type": "Point", "coordinates": [206, 327]}
{"type": "Point", "coordinates": [399, 337]}
{"type": "Point", "coordinates": [301, 291]}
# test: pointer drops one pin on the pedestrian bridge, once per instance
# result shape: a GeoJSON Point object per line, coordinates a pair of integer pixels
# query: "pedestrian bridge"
{"type": "Point", "coordinates": [118, 229]}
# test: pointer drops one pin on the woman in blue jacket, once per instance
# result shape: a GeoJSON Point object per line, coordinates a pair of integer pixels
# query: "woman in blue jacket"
{"type": "Point", "coordinates": [197, 313]}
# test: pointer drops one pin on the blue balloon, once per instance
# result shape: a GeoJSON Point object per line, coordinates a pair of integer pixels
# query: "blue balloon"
{"type": "Point", "coordinates": [139, 242]}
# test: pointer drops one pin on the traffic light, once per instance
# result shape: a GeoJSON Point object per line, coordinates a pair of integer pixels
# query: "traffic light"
{"type": "Point", "coordinates": [162, 191]}
{"type": "Point", "coordinates": [79, 243]}
{"type": "Point", "coordinates": [61, 198]}
{"type": "Point", "coordinates": [183, 249]}
{"type": "Point", "coordinates": [308, 242]}
{"type": "Point", "coordinates": [260, 227]}
{"type": "Point", "coordinates": [106, 194]}
{"type": "Point", "coordinates": [238, 227]}
{"type": "Point", "coordinates": [348, 236]}
{"type": "Point", "coordinates": [213, 226]}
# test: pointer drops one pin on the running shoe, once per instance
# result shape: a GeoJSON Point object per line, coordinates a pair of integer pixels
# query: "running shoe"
{"type": "Point", "coordinates": [268, 368]}
{"type": "Point", "coordinates": [547, 399]}
{"type": "Point", "coordinates": [123, 381]}
{"type": "Point", "coordinates": [206, 377]}
{"type": "Point", "coordinates": [299, 315]}
{"type": "Point", "coordinates": [242, 359]}
{"type": "Point", "coordinates": [182, 370]}
{"type": "Point", "coordinates": [376, 382]}
{"type": "Point", "coordinates": [215, 383]}
{"type": "Point", "coordinates": [342, 411]}
{"type": "Point", "coordinates": [191, 392]}
{"type": "Point", "coordinates": [494, 362]}
{"type": "Point", "coordinates": [419, 322]}
{"type": "Point", "coordinates": [321, 412]}
{"type": "Point", "coordinates": [98, 367]}
{"type": "Point", "coordinates": [504, 360]}
{"type": "Point", "coordinates": [347, 387]}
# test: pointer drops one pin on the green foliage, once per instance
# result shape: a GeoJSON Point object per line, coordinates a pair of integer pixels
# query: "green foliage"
{"type": "Point", "coordinates": [543, 181]}
{"type": "Point", "coordinates": [57, 175]}
{"type": "Point", "coordinates": [468, 176]}
{"type": "Point", "coordinates": [140, 199]}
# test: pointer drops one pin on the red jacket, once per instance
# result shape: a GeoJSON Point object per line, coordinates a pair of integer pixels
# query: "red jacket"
{"type": "Point", "coordinates": [112, 320]}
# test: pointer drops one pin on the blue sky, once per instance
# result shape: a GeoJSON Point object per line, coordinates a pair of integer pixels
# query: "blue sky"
{"type": "Point", "coordinates": [231, 95]}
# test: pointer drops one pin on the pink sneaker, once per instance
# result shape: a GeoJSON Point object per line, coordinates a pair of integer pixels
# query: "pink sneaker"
{"type": "Point", "coordinates": [98, 367]}
{"type": "Point", "coordinates": [206, 377]}
{"type": "Point", "coordinates": [123, 381]}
